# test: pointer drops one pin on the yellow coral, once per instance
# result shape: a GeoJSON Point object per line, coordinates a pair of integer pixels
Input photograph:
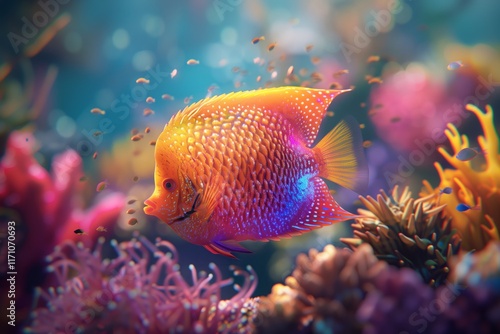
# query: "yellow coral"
{"type": "Point", "coordinates": [473, 187]}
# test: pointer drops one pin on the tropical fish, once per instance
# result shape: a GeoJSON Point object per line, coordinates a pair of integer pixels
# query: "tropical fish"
{"type": "Point", "coordinates": [462, 207]}
{"type": "Point", "coordinates": [241, 166]}
{"type": "Point", "coordinates": [467, 154]}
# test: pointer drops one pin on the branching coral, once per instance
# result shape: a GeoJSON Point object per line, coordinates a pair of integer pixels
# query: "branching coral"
{"type": "Point", "coordinates": [473, 187]}
{"type": "Point", "coordinates": [407, 232]}
{"type": "Point", "coordinates": [129, 295]}
{"type": "Point", "coordinates": [323, 292]}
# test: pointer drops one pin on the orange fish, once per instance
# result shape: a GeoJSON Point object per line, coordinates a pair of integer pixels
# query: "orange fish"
{"type": "Point", "coordinates": [241, 166]}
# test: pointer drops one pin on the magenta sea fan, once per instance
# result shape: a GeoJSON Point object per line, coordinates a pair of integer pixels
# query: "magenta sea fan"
{"type": "Point", "coordinates": [139, 291]}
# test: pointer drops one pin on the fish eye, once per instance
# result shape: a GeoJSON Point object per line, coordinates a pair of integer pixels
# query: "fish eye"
{"type": "Point", "coordinates": [169, 184]}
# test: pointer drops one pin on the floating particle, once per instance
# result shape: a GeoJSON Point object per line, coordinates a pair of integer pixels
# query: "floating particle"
{"type": "Point", "coordinates": [335, 85]}
{"type": "Point", "coordinates": [132, 221]}
{"type": "Point", "coordinates": [101, 186]}
{"type": "Point", "coordinates": [367, 143]}
{"type": "Point", "coordinates": [289, 71]}
{"type": "Point", "coordinates": [303, 72]}
{"type": "Point", "coordinates": [136, 153]}
{"type": "Point", "coordinates": [258, 78]}
{"type": "Point", "coordinates": [97, 133]}
{"type": "Point", "coordinates": [130, 211]}
{"type": "Point", "coordinates": [150, 99]}
{"type": "Point", "coordinates": [148, 111]}
{"type": "Point", "coordinates": [142, 81]}
{"type": "Point", "coordinates": [274, 75]}
{"type": "Point", "coordinates": [94, 156]}
{"type": "Point", "coordinates": [309, 47]}
{"type": "Point", "coordinates": [271, 68]}
{"type": "Point", "coordinates": [305, 84]}
{"type": "Point", "coordinates": [316, 77]}
{"type": "Point", "coordinates": [362, 126]}
{"type": "Point", "coordinates": [455, 65]}
{"type": "Point", "coordinates": [271, 46]}
{"type": "Point", "coordinates": [167, 97]}
{"type": "Point", "coordinates": [83, 179]}
{"type": "Point", "coordinates": [330, 113]}
{"type": "Point", "coordinates": [258, 39]}
{"type": "Point", "coordinates": [293, 78]}
{"type": "Point", "coordinates": [372, 112]}
{"type": "Point", "coordinates": [212, 88]}
{"type": "Point", "coordinates": [235, 69]}
{"type": "Point", "coordinates": [467, 154]}
{"type": "Point", "coordinates": [340, 73]}
{"type": "Point", "coordinates": [132, 201]}
{"type": "Point", "coordinates": [378, 106]}
{"type": "Point", "coordinates": [79, 231]}
{"type": "Point", "coordinates": [375, 80]}
{"type": "Point", "coordinates": [97, 111]}
{"type": "Point", "coordinates": [373, 59]}
{"type": "Point", "coordinates": [187, 99]}
{"type": "Point", "coordinates": [136, 137]}
{"type": "Point", "coordinates": [332, 191]}
{"type": "Point", "coordinates": [315, 60]}
{"type": "Point", "coordinates": [152, 143]}
{"type": "Point", "coordinates": [395, 119]}
{"type": "Point", "coordinates": [147, 130]}
{"type": "Point", "coordinates": [101, 229]}
{"type": "Point", "coordinates": [362, 104]}
{"type": "Point", "coordinates": [256, 60]}
{"type": "Point", "coordinates": [223, 62]}
{"type": "Point", "coordinates": [173, 73]}
{"type": "Point", "coordinates": [193, 62]}
{"type": "Point", "coordinates": [237, 84]}
{"type": "Point", "coordinates": [136, 178]}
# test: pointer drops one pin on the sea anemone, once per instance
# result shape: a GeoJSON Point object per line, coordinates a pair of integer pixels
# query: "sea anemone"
{"type": "Point", "coordinates": [407, 232]}
{"type": "Point", "coordinates": [476, 188]}
{"type": "Point", "coordinates": [324, 292]}
{"type": "Point", "coordinates": [140, 291]}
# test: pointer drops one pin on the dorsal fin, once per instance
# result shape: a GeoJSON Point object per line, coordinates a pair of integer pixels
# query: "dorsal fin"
{"type": "Point", "coordinates": [305, 108]}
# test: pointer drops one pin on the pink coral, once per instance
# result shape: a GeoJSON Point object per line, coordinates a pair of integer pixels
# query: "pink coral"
{"type": "Point", "coordinates": [409, 107]}
{"type": "Point", "coordinates": [46, 208]}
{"type": "Point", "coordinates": [129, 295]}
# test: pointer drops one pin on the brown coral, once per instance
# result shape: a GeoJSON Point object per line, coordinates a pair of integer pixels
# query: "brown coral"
{"type": "Point", "coordinates": [471, 186]}
{"type": "Point", "coordinates": [407, 232]}
{"type": "Point", "coordinates": [324, 291]}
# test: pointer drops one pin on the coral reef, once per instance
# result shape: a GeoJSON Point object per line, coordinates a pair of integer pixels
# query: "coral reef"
{"type": "Point", "coordinates": [324, 292]}
{"type": "Point", "coordinates": [475, 187]}
{"type": "Point", "coordinates": [407, 232]}
{"type": "Point", "coordinates": [140, 291]}
{"type": "Point", "coordinates": [46, 209]}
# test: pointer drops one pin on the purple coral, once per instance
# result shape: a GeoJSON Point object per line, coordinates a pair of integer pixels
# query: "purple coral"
{"type": "Point", "coordinates": [129, 294]}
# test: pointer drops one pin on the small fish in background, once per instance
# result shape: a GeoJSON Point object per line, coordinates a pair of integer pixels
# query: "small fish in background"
{"type": "Point", "coordinates": [445, 190]}
{"type": "Point", "coordinates": [79, 231]}
{"type": "Point", "coordinates": [101, 229]}
{"type": "Point", "coordinates": [455, 65]}
{"type": "Point", "coordinates": [241, 166]}
{"type": "Point", "coordinates": [462, 207]}
{"type": "Point", "coordinates": [467, 154]}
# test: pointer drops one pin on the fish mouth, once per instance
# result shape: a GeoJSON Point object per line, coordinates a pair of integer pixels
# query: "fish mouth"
{"type": "Point", "coordinates": [150, 207]}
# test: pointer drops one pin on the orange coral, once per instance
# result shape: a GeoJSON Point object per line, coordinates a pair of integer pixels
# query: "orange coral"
{"type": "Point", "coordinates": [473, 187]}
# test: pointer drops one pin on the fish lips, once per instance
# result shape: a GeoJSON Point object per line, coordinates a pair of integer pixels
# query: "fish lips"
{"type": "Point", "coordinates": [150, 207]}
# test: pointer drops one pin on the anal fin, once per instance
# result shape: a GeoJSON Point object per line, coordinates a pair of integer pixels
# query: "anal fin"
{"type": "Point", "coordinates": [225, 248]}
{"type": "Point", "coordinates": [320, 211]}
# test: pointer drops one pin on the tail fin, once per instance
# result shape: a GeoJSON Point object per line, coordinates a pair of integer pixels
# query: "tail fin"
{"type": "Point", "coordinates": [341, 156]}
